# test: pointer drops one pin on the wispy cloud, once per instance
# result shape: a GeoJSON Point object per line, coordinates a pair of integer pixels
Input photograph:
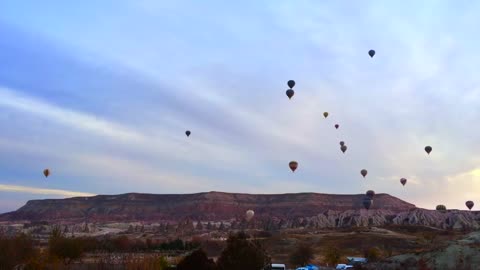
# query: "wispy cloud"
{"type": "Point", "coordinates": [43, 191]}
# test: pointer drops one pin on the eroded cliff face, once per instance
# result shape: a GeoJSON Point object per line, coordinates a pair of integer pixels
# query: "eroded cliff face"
{"type": "Point", "coordinates": [276, 211]}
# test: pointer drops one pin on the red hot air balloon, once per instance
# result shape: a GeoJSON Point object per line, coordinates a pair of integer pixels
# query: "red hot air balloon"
{"type": "Point", "coordinates": [336, 126]}
{"type": "Point", "coordinates": [46, 172]}
{"type": "Point", "coordinates": [403, 181]}
{"type": "Point", "coordinates": [363, 173]}
{"type": "Point", "coordinates": [469, 204]}
{"type": "Point", "coordinates": [293, 165]}
{"type": "Point", "coordinates": [290, 93]}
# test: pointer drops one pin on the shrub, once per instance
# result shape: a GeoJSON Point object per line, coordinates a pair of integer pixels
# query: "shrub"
{"type": "Point", "coordinates": [301, 255]}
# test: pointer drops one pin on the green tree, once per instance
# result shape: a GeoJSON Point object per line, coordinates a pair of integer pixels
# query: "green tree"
{"type": "Point", "coordinates": [242, 253]}
{"type": "Point", "coordinates": [197, 260]}
{"type": "Point", "coordinates": [301, 255]}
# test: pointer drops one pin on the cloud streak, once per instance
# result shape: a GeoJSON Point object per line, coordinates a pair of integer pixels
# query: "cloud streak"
{"type": "Point", "coordinates": [42, 191]}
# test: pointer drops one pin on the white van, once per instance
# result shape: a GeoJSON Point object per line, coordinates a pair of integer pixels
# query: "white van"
{"type": "Point", "coordinates": [278, 266]}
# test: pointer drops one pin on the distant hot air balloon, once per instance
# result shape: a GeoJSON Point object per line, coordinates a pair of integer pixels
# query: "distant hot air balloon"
{"type": "Point", "coordinates": [371, 53]}
{"type": "Point", "coordinates": [363, 173]}
{"type": "Point", "coordinates": [293, 165]}
{"type": "Point", "coordinates": [46, 172]}
{"type": "Point", "coordinates": [336, 126]}
{"type": "Point", "coordinates": [290, 93]}
{"type": "Point", "coordinates": [367, 202]}
{"type": "Point", "coordinates": [291, 83]}
{"type": "Point", "coordinates": [343, 148]}
{"type": "Point", "coordinates": [249, 215]}
{"type": "Point", "coordinates": [469, 204]}
{"type": "Point", "coordinates": [428, 149]}
{"type": "Point", "coordinates": [325, 114]}
{"type": "Point", "coordinates": [441, 208]}
{"type": "Point", "coordinates": [370, 194]}
{"type": "Point", "coordinates": [403, 181]}
{"type": "Point", "coordinates": [188, 133]}
{"type": "Point", "coordinates": [342, 143]}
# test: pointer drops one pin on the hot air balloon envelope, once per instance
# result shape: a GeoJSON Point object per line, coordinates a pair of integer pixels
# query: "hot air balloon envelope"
{"type": "Point", "coordinates": [290, 93]}
{"type": "Point", "coordinates": [46, 172]}
{"type": "Point", "coordinates": [363, 172]}
{"type": "Point", "coordinates": [428, 149]}
{"type": "Point", "coordinates": [187, 133]}
{"type": "Point", "coordinates": [291, 83]}
{"type": "Point", "coordinates": [367, 202]}
{"type": "Point", "coordinates": [370, 194]}
{"type": "Point", "coordinates": [403, 181]}
{"type": "Point", "coordinates": [371, 53]}
{"type": "Point", "coordinates": [293, 165]}
{"type": "Point", "coordinates": [250, 214]}
{"type": "Point", "coordinates": [469, 204]}
{"type": "Point", "coordinates": [343, 148]}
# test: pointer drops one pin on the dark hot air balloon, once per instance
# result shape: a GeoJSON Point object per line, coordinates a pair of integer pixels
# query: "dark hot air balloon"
{"type": "Point", "coordinates": [336, 126]}
{"type": "Point", "coordinates": [428, 149]}
{"type": "Point", "coordinates": [291, 83]}
{"type": "Point", "coordinates": [469, 204]}
{"type": "Point", "coordinates": [367, 202]}
{"type": "Point", "coordinates": [403, 181]}
{"type": "Point", "coordinates": [187, 133]}
{"type": "Point", "coordinates": [363, 173]}
{"type": "Point", "coordinates": [325, 114]}
{"type": "Point", "coordinates": [293, 165]}
{"type": "Point", "coordinates": [342, 143]}
{"type": "Point", "coordinates": [370, 194]}
{"type": "Point", "coordinates": [343, 148]}
{"type": "Point", "coordinates": [441, 208]}
{"type": "Point", "coordinates": [371, 53]}
{"type": "Point", "coordinates": [290, 93]}
{"type": "Point", "coordinates": [46, 172]}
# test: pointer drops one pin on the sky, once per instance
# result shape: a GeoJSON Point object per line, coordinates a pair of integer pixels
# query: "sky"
{"type": "Point", "coordinates": [102, 92]}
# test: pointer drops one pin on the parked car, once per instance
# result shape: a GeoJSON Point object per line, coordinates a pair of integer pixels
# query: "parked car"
{"type": "Point", "coordinates": [278, 266]}
{"type": "Point", "coordinates": [342, 266]}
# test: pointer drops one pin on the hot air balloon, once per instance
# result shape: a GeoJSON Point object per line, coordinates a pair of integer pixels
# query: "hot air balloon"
{"type": "Point", "coordinates": [290, 93]}
{"type": "Point", "coordinates": [403, 181]}
{"type": "Point", "coordinates": [371, 53]}
{"type": "Point", "coordinates": [291, 83]}
{"type": "Point", "coordinates": [367, 202]}
{"type": "Point", "coordinates": [336, 126]}
{"type": "Point", "coordinates": [343, 148]}
{"type": "Point", "coordinates": [441, 208]}
{"type": "Point", "coordinates": [249, 215]}
{"type": "Point", "coordinates": [370, 194]}
{"type": "Point", "coordinates": [187, 133]}
{"type": "Point", "coordinates": [325, 114]}
{"type": "Point", "coordinates": [293, 165]}
{"type": "Point", "coordinates": [342, 143]}
{"type": "Point", "coordinates": [428, 149]}
{"type": "Point", "coordinates": [469, 204]}
{"type": "Point", "coordinates": [46, 172]}
{"type": "Point", "coordinates": [363, 173]}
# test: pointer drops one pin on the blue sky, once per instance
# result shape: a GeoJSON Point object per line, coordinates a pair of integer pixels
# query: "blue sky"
{"type": "Point", "coordinates": [101, 92]}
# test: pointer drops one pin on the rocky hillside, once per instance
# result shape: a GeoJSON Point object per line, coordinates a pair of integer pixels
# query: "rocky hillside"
{"type": "Point", "coordinates": [212, 206]}
{"type": "Point", "coordinates": [276, 211]}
